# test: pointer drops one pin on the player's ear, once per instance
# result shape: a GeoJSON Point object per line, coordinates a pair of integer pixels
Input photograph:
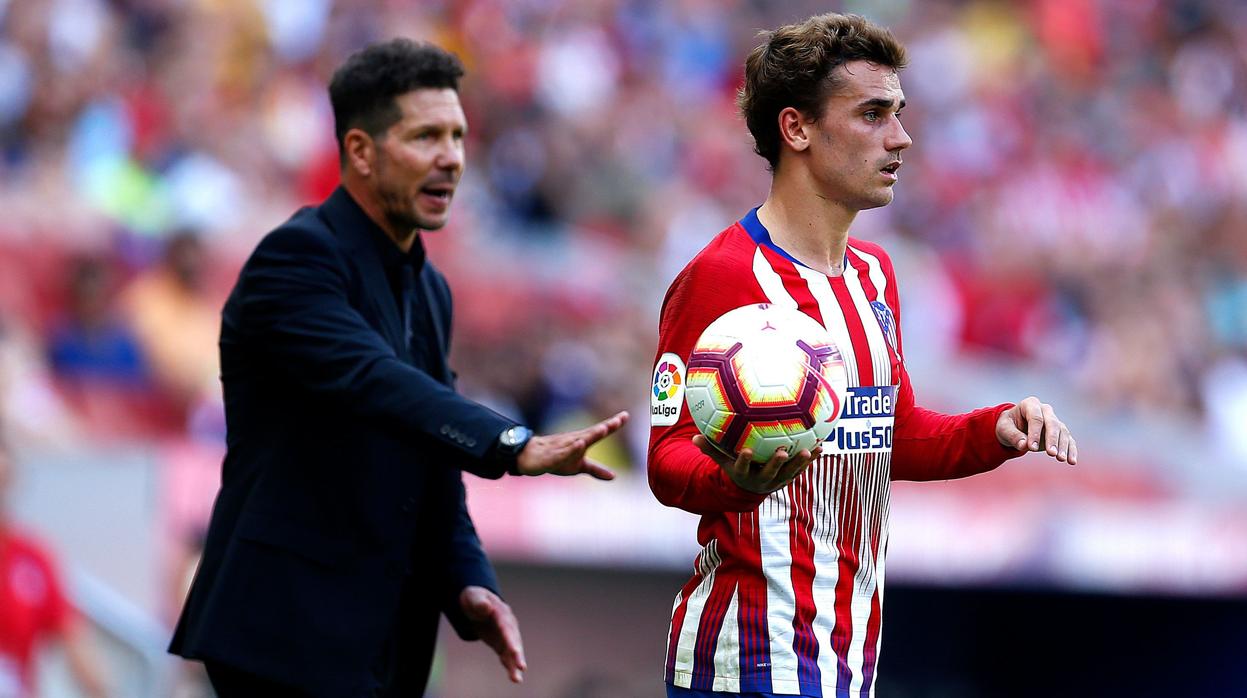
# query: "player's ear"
{"type": "Point", "coordinates": [359, 151]}
{"type": "Point", "coordinates": [794, 129]}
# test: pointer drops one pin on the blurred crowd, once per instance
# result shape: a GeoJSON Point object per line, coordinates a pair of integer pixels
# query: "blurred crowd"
{"type": "Point", "coordinates": [1076, 198]}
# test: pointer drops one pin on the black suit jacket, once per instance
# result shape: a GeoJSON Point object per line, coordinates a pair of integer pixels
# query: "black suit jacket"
{"type": "Point", "coordinates": [340, 529]}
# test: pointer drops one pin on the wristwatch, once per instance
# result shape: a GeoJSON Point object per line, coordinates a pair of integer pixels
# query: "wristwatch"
{"type": "Point", "coordinates": [511, 441]}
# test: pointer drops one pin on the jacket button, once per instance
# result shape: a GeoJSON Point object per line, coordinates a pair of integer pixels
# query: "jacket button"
{"type": "Point", "coordinates": [445, 429]}
{"type": "Point", "coordinates": [471, 442]}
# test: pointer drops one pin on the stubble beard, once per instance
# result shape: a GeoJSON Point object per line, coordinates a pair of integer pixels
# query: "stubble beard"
{"type": "Point", "coordinates": [400, 211]}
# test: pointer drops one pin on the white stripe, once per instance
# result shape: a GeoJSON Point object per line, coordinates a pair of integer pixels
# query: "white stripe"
{"type": "Point", "coordinates": [684, 648]}
{"type": "Point", "coordinates": [727, 650]}
{"type": "Point", "coordinates": [776, 550]}
{"type": "Point", "coordinates": [833, 318]}
{"type": "Point", "coordinates": [770, 281]}
{"type": "Point", "coordinates": [863, 580]}
{"type": "Point", "coordinates": [877, 276]}
{"type": "Point", "coordinates": [885, 462]}
{"type": "Point", "coordinates": [679, 596]}
{"type": "Point", "coordinates": [875, 269]}
{"type": "Point", "coordinates": [879, 356]}
{"type": "Point", "coordinates": [826, 566]}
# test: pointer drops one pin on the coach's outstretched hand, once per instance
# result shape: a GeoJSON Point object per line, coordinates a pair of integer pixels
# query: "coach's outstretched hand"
{"type": "Point", "coordinates": [1032, 425]}
{"type": "Point", "coordinates": [564, 454]}
{"type": "Point", "coordinates": [762, 478]}
{"type": "Point", "coordinates": [496, 625]}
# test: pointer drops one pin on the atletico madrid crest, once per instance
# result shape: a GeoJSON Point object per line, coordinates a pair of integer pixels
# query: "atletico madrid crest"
{"type": "Point", "coordinates": [887, 323]}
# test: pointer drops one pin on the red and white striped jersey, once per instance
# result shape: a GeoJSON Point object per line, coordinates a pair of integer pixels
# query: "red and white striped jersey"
{"type": "Point", "coordinates": [787, 591]}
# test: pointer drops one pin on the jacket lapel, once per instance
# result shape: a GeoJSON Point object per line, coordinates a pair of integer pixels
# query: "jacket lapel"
{"type": "Point", "coordinates": [353, 227]}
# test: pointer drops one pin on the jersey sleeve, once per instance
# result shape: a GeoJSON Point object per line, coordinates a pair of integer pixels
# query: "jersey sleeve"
{"type": "Point", "coordinates": [680, 475]}
{"type": "Point", "coordinates": [929, 445]}
{"type": "Point", "coordinates": [54, 611]}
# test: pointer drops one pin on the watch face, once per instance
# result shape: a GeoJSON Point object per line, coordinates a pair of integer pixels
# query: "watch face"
{"type": "Point", "coordinates": [515, 436]}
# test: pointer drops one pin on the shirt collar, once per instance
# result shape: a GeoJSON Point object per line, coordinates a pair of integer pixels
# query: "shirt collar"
{"type": "Point", "coordinates": [342, 207]}
{"type": "Point", "coordinates": [761, 236]}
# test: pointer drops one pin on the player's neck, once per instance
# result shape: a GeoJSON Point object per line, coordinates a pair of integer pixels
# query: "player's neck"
{"type": "Point", "coordinates": [811, 228]}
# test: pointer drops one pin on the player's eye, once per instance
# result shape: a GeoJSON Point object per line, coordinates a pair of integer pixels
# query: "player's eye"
{"type": "Point", "coordinates": [871, 116]}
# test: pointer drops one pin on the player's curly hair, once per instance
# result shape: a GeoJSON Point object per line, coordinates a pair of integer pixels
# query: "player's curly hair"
{"type": "Point", "coordinates": [363, 89]}
{"type": "Point", "coordinates": [795, 66]}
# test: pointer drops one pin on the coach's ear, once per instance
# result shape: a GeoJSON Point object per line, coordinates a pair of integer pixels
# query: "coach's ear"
{"type": "Point", "coordinates": [794, 129]}
{"type": "Point", "coordinates": [359, 152]}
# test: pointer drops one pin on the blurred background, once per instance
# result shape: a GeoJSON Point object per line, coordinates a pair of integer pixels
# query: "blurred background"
{"type": "Point", "coordinates": [1071, 222]}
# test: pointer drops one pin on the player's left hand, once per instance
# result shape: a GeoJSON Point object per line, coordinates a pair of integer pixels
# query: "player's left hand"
{"type": "Point", "coordinates": [496, 625]}
{"type": "Point", "coordinates": [1032, 425]}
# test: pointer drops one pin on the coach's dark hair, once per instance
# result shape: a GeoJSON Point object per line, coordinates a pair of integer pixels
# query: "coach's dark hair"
{"type": "Point", "coordinates": [795, 65]}
{"type": "Point", "coordinates": [363, 89]}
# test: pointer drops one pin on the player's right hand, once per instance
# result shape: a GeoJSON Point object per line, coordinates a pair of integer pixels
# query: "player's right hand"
{"type": "Point", "coordinates": [759, 478]}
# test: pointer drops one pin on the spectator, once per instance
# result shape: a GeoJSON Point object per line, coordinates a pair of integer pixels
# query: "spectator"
{"type": "Point", "coordinates": [91, 344]}
{"type": "Point", "coordinates": [212, 115]}
{"type": "Point", "coordinates": [176, 322]}
{"type": "Point", "coordinates": [33, 608]}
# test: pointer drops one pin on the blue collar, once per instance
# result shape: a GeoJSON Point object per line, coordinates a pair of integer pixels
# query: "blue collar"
{"type": "Point", "coordinates": [762, 236]}
{"type": "Point", "coordinates": [753, 225]}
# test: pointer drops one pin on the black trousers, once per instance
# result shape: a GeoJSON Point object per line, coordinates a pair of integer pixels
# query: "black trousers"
{"type": "Point", "coordinates": [229, 682]}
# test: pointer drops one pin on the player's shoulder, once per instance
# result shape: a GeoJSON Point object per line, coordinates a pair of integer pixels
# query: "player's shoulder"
{"type": "Point", "coordinates": [728, 253]}
{"type": "Point", "coordinates": [718, 278]}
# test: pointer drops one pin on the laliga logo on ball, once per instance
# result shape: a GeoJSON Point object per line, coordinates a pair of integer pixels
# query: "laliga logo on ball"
{"type": "Point", "coordinates": [765, 377]}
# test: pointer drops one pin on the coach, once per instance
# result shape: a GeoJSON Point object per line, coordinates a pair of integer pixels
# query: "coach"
{"type": "Point", "coordinates": [341, 532]}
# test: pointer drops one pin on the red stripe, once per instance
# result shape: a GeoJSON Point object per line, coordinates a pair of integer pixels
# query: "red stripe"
{"type": "Point", "coordinates": [751, 615]}
{"type": "Point", "coordinates": [875, 620]}
{"type": "Point", "coordinates": [794, 284]}
{"type": "Point", "coordinates": [863, 274]}
{"type": "Point", "coordinates": [872, 293]}
{"type": "Point", "coordinates": [847, 539]}
{"type": "Point", "coordinates": [708, 631]}
{"type": "Point", "coordinates": [801, 547]}
{"type": "Point", "coordinates": [857, 332]}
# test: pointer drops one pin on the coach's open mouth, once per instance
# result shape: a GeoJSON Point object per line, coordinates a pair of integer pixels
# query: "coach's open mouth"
{"type": "Point", "coordinates": [442, 192]}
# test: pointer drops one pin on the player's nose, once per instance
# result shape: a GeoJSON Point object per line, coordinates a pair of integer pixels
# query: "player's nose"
{"type": "Point", "coordinates": [898, 139]}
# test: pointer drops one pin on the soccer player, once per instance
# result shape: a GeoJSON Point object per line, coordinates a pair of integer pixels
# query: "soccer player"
{"type": "Point", "coordinates": [787, 591]}
{"type": "Point", "coordinates": [34, 608]}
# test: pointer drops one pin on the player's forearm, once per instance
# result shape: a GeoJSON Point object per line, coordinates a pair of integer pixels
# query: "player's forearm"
{"type": "Point", "coordinates": [84, 664]}
{"type": "Point", "coordinates": [681, 476]}
{"type": "Point", "coordinates": [934, 446]}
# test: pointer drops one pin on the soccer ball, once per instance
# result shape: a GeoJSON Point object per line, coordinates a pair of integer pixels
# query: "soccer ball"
{"type": "Point", "coordinates": [765, 377]}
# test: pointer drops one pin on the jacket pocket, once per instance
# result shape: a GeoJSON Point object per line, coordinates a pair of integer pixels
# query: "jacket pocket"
{"type": "Point", "coordinates": [305, 540]}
